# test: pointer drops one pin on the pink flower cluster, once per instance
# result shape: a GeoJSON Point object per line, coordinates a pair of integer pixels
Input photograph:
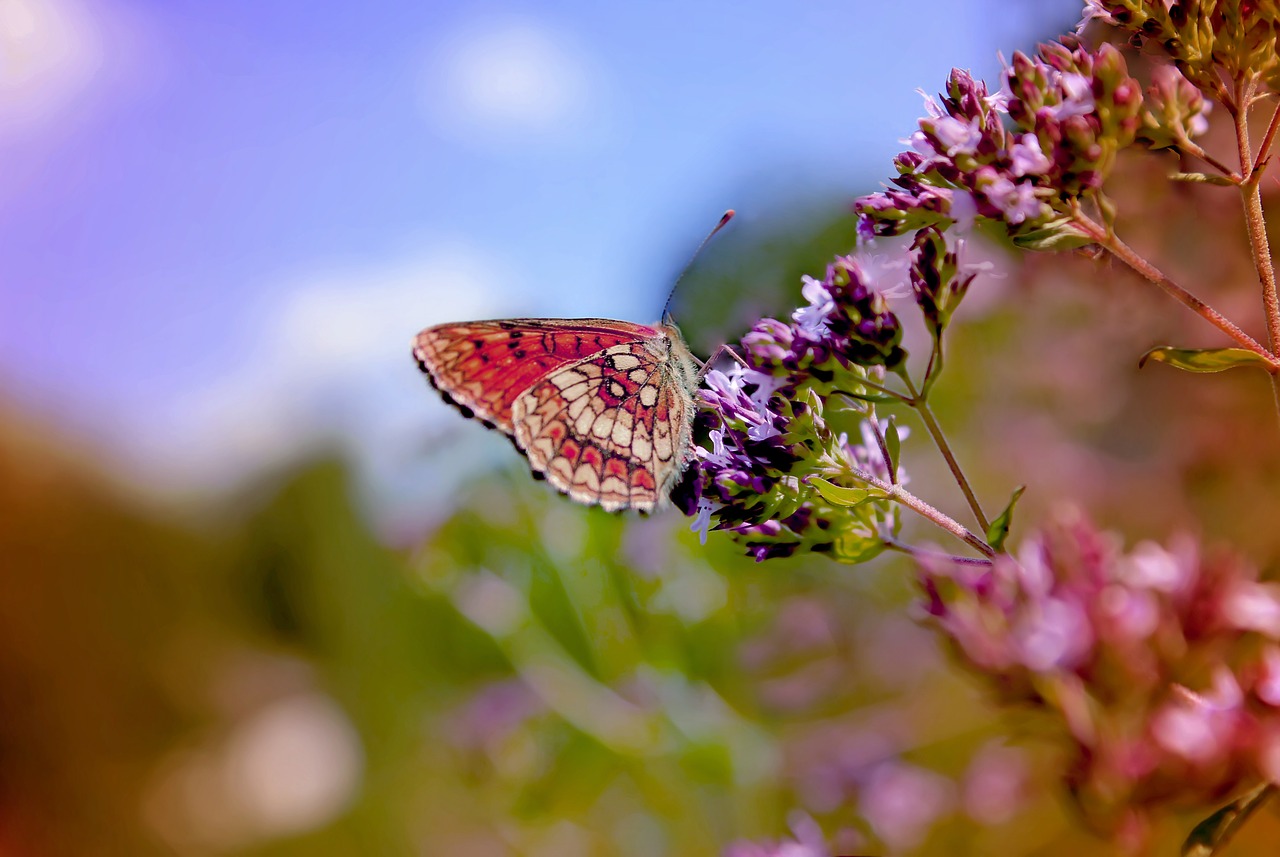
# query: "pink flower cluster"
{"type": "Point", "coordinates": [1161, 664]}
{"type": "Point", "coordinates": [1071, 109]}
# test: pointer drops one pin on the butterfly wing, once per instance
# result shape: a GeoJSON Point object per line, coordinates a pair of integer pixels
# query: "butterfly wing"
{"type": "Point", "coordinates": [484, 366]}
{"type": "Point", "coordinates": [613, 429]}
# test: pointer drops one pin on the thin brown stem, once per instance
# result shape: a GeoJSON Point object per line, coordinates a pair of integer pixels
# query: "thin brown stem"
{"type": "Point", "coordinates": [1193, 149]}
{"type": "Point", "coordinates": [921, 406]}
{"type": "Point", "coordinates": [890, 466]}
{"type": "Point", "coordinates": [920, 507]}
{"type": "Point", "coordinates": [1224, 95]}
{"type": "Point", "coordinates": [1110, 242]}
{"type": "Point", "coordinates": [1251, 197]}
{"type": "Point", "coordinates": [921, 553]}
{"type": "Point", "coordinates": [879, 388]}
{"type": "Point", "coordinates": [1264, 148]}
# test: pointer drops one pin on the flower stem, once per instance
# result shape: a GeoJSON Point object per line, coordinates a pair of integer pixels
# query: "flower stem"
{"type": "Point", "coordinates": [1217, 830]}
{"type": "Point", "coordinates": [920, 507]}
{"type": "Point", "coordinates": [1264, 149]}
{"type": "Point", "coordinates": [1193, 149]}
{"type": "Point", "coordinates": [879, 388]}
{"type": "Point", "coordinates": [921, 406]}
{"type": "Point", "coordinates": [1251, 197]}
{"type": "Point", "coordinates": [1126, 254]}
{"type": "Point", "coordinates": [890, 466]}
{"type": "Point", "coordinates": [921, 553]}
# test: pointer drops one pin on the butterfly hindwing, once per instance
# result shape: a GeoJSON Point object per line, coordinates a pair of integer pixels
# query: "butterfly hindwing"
{"type": "Point", "coordinates": [590, 427]}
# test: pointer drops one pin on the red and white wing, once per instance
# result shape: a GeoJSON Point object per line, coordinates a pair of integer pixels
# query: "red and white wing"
{"type": "Point", "coordinates": [612, 429]}
{"type": "Point", "coordinates": [484, 366]}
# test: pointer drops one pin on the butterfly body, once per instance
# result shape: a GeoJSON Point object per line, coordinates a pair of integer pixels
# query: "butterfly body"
{"type": "Point", "coordinates": [603, 409]}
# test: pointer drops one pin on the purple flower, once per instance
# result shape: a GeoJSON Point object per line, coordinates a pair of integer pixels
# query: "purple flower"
{"type": "Point", "coordinates": [768, 343]}
{"type": "Point", "coordinates": [495, 713]}
{"type": "Point", "coordinates": [1016, 201]}
{"type": "Point", "coordinates": [1027, 158]}
{"type": "Point", "coordinates": [1150, 566]}
{"type": "Point", "coordinates": [901, 803]}
{"type": "Point", "coordinates": [956, 136]}
{"type": "Point", "coordinates": [867, 455]}
{"type": "Point", "coordinates": [1095, 638]}
{"type": "Point", "coordinates": [1094, 10]}
{"type": "Point", "coordinates": [996, 783]}
{"type": "Point", "coordinates": [1268, 684]}
{"type": "Point", "coordinates": [1053, 633]}
{"type": "Point", "coordinates": [812, 319]}
{"type": "Point", "coordinates": [766, 435]}
{"type": "Point", "coordinates": [808, 841]}
{"type": "Point", "coordinates": [1197, 727]}
{"type": "Point", "coordinates": [1077, 97]}
{"type": "Point", "coordinates": [702, 519]}
{"type": "Point", "coordinates": [1072, 110]}
{"type": "Point", "coordinates": [1253, 606]}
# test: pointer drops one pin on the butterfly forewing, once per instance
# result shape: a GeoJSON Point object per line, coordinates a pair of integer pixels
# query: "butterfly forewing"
{"type": "Point", "coordinates": [482, 366]}
{"type": "Point", "coordinates": [602, 408]}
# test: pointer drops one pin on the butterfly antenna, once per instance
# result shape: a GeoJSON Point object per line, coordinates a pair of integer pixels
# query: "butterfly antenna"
{"type": "Point", "coordinates": [728, 215]}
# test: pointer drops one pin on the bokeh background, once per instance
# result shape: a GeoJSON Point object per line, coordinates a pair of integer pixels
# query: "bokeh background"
{"type": "Point", "coordinates": [264, 594]}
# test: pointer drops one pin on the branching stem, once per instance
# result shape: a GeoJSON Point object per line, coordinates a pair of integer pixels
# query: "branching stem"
{"type": "Point", "coordinates": [921, 406]}
{"type": "Point", "coordinates": [920, 507]}
{"type": "Point", "coordinates": [1110, 242]}
{"type": "Point", "coordinates": [1193, 149]}
{"type": "Point", "coordinates": [1251, 197]}
{"type": "Point", "coordinates": [921, 553]}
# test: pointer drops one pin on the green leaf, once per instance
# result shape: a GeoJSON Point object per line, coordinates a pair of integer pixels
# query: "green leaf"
{"type": "Point", "coordinates": [1211, 835]}
{"type": "Point", "coordinates": [1059, 234]}
{"type": "Point", "coordinates": [1107, 208]}
{"type": "Point", "coordinates": [1204, 359]}
{"type": "Point", "coordinates": [876, 398]}
{"type": "Point", "coordinates": [893, 442]}
{"type": "Point", "coordinates": [852, 550]}
{"type": "Point", "coordinates": [999, 529]}
{"type": "Point", "coordinates": [1202, 178]}
{"type": "Point", "coordinates": [840, 496]}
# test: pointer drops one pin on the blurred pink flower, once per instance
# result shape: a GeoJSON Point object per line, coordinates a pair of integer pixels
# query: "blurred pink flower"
{"type": "Point", "coordinates": [807, 841]}
{"type": "Point", "coordinates": [996, 783]}
{"type": "Point", "coordinates": [1253, 606]}
{"type": "Point", "coordinates": [1200, 728]}
{"type": "Point", "coordinates": [1111, 644]}
{"type": "Point", "coordinates": [1268, 685]}
{"type": "Point", "coordinates": [901, 802]}
{"type": "Point", "coordinates": [494, 713]}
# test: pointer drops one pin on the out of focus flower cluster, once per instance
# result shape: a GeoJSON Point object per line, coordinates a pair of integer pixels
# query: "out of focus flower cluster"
{"type": "Point", "coordinates": [808, 841]}
{"type": "Point", "coordinates": [1021, 157]}
{"type": "Point", "coordinates": [1202, 37]}
{"type": "Point", "coordinates": [1162, 664]}
{"type": "Point", "coordinates": [778, 449]}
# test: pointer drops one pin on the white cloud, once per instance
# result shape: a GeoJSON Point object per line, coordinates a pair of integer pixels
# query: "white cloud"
{"type": "Point", "coordinates": [509, 77]}
{"type": "Point", "coordinates": [53, 53]}
{"type": "Point", "coordinates": [330, 361]}
{"type": "Point", "coordinates": [50, 49]}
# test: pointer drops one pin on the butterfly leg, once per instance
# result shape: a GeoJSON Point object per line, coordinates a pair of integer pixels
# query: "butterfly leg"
{"type": "Point", "coordinates": [716, 355]}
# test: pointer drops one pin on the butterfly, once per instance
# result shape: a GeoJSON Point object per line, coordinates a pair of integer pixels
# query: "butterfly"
{"type": "Point", "coordinates": [602, 409]}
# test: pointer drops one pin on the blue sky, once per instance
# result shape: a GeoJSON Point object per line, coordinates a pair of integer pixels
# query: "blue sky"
{"type": "Point", "coordinates": [221, 222]}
